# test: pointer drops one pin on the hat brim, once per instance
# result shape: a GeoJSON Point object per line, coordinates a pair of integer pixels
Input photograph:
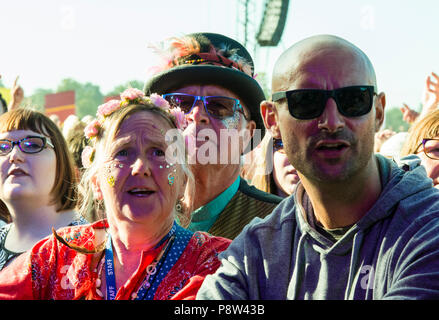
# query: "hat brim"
{"type": "Point", "coordinates": [246, 88]}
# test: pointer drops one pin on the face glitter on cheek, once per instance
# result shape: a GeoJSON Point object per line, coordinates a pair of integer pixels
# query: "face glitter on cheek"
{"type": "Point", "coordinates": [108, 172]}
{"type": "Point", "coordinates": [171, 177]}
{"type": "Point", "coordinates": [111, 181]}
{"type": "Point", "coordinates": [231, 122]}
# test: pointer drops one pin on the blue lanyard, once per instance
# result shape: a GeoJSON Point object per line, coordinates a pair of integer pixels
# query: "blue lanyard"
{"type": "Point", "coordinates": [110, 277]}
{"type": "Point", "coordinates": [109, 270]}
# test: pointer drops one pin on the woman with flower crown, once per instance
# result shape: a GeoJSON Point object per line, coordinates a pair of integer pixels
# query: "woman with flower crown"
{"type": "Point", "coordinates": [138, 251]}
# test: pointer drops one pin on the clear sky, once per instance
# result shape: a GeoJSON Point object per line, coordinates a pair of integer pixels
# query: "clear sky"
{"type": "Point", "coordinates": [106, 41]}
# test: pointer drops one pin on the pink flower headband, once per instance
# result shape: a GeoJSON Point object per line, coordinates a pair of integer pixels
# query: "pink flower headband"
{"type": "Point", "coordinates": [129, 96]}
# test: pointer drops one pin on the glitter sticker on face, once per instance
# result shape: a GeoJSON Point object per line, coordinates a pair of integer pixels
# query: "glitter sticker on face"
{"type": "Point", "coordinates": [111, 172]}
{"type": "Point", "coordinates": [231, 122]}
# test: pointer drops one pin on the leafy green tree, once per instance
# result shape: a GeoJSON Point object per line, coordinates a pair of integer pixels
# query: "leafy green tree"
{"type": "Point", "coordinates": [37, 100]}
{"type": "Point", "coordinates": [394, 120]}
{"type": "Point", "coordinates": [87, 96]}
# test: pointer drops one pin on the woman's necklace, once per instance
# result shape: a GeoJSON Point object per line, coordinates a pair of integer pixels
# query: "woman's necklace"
{"type": "Point", "coordinates": [151, 270]}
{"type": "Point", "coordinates": [107, 261]}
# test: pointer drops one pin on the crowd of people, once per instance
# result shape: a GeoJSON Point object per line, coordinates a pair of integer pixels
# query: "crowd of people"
{"type": "Point", "coordinates": [201, 187]}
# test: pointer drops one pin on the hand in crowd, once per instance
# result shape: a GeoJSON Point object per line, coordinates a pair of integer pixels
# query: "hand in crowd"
{"type": "Point", "coordinates": [430, 96]}
{"type": "Point", "coordinates": [381, 137]}
{"type": "Point", "coordinates": [430, 100]}
{"type": "Point", "coordinates": [408, 115]}
{"type": "Point", "coordinates": [17, 95]}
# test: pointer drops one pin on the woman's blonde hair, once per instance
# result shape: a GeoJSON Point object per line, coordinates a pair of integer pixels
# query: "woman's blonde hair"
{"type": "Point", "coordinates": [259, 171]}
{"type": "Point", "coordinates": [424, 128]}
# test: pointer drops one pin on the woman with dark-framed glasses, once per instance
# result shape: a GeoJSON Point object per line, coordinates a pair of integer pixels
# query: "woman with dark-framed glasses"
{"type": "Point", "coordinates": [37, 181]}
{"type": "Point", "coordinates": [423, 140]}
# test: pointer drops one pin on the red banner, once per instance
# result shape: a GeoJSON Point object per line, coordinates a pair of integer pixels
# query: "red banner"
{"type": "Point", "coordinates": [62, 104]}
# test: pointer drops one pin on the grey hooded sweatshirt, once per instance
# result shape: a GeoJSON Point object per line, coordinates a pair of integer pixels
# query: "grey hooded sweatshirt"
{"type": "Point", "coordinates": [391, 253]}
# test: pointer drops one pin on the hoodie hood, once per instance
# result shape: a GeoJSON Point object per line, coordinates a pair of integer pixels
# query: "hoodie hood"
{"type": "Point", "coordinates": [406, 178]}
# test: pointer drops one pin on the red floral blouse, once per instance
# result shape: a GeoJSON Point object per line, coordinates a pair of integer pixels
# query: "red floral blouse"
{"type": "Point", "coordinates": [51, 270]}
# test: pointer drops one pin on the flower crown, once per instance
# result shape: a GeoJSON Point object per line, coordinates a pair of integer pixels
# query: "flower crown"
{"type": "Point", "coordinates": [128, 97]}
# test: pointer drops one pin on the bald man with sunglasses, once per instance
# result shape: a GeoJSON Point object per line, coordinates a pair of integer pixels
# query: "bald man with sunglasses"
{"type": "Point", "coordinates": [358, 226]}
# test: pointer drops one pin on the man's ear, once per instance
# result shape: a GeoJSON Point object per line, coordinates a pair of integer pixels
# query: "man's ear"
{"type": "Point", "coordinates": [246, 135]}
{"type": "Point", "coordinates": [380, 104]}
{"type": "Point", "coordinates": [270, 117]}
{"type": "Point", "coordinates": [250, 127]}
{"type": "Point", "coordinates": [97, 193]}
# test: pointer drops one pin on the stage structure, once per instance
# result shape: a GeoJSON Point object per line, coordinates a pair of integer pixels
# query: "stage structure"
{"type": "Point", "coordinates": [260, 26]}
{"type": "Point", "coordinates": [272, 23]}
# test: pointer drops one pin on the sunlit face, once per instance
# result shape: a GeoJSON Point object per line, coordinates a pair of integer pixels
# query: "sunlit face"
{"type": "Point", "coordinates": [26, 177]}
{"type": "Point", "coordinates": [431, 165]}
{"type": "Point", "coordinates": [284, 174]}
{"type": "Point", "coordinates": [209, 139]}
{"type": "Point", "coordinates": [331, 147]}
{"type": "Point", "coordinates": [134, 177]}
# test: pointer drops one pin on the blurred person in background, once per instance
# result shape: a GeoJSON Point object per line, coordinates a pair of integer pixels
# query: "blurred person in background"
{"type": "Point", "coordinates": [77, 142]}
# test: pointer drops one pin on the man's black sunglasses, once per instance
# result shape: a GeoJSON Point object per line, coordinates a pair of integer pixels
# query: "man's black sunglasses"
{"type": "Point", "coordinates": [306, 104]}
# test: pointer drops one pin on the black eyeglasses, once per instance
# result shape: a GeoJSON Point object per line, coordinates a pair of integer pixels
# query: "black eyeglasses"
{"type": "Point", "coordinates": [430, 147]}
{"type": "Point", "coordinates": [216, 106]}
{"type": "Point", "coordinates": [30, 144]}
{"type": "Point", "coordinates": [306, 104]}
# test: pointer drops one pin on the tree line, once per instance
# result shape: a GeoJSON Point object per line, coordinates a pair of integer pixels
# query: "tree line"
{"type": "Point", "coordinates": [88, 97]}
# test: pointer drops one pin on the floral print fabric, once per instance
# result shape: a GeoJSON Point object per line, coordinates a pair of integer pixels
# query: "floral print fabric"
{"type": "Point", "coordinates": [51, 270]}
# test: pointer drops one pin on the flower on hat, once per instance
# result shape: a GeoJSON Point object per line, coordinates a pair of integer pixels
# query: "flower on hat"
{"type": "Point", "coordinates": [108, 108]}
{"type": "Point", "coordinates": [132, 94]}
{"type": "Point", "coordinates": [92, 129]}
{"type": "Point", "coordinates": [87, 156]}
